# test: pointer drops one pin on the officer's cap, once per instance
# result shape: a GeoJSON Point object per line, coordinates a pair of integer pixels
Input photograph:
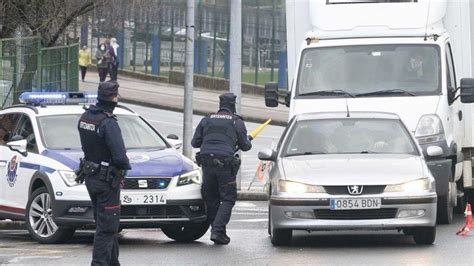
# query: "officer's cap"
{"type": "Point", "coordinates": [227, 101]}
{"type": "Point", "coordinates": [107, 90]}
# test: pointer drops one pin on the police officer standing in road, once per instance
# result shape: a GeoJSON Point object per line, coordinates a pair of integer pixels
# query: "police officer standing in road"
{"type": "Point", "coordinates": [104, 165]}
{"type": "Point", "coordinates": [219, 135]}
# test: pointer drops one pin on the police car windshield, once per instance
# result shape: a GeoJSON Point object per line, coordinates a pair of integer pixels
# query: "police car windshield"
{"type": "Point", "coordinates": [60, 132]}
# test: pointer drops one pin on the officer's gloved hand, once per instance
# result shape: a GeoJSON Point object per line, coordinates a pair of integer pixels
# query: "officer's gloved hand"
{"type": "Point", "coordinates": [124, 173]}
{"type": "Point", "coordinates": [80, 179]}
{"type": "Point", "coordinates": [250, 137]}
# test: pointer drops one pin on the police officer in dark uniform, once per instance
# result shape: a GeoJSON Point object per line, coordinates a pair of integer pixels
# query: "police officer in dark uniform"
{"type": "Point", "coordinates": [104, 165]}
{"type": "Point", "coordinates": [219, 135]}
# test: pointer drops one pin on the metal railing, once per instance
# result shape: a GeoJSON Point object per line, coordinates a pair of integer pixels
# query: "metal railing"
{"type": "Point", "coordinates": [26, 66]}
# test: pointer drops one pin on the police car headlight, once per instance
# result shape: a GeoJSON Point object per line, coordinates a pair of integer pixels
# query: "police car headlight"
{"type": "Point", "coordinates": [69, 177]}
{"type": "Point", "coordinates": [193, 177]}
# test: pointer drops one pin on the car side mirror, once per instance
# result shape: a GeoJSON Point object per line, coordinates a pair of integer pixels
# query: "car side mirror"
{"type": "Point", "coordinates": [467, 90]}
{"type": "Point", "coordinates": [18, 146]}
{"type": "Point", "coordinates": [271, 94]}
{"type": "Point", "coordinates": [267, 155]}
{"type": "Point", "coordinates": [434, 151]}
{"type": "Point", "coordinates": [174, 141]}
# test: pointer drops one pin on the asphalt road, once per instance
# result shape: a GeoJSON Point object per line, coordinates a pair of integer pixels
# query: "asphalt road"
{"type": "Point", "coordinates": [250, 245]}
{"type": "Point", "coordinates": [168, 122]}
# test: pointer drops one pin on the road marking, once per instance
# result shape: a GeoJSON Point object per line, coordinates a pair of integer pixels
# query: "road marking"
{"type": "Point", "coordinates": [256, 220]}
{"type": "Point", "coordinates": [18, 259]}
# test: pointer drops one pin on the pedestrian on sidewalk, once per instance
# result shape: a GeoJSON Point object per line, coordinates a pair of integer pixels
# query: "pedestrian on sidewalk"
{"type": "Point", "coordinates": [84, 61]}
{"type": "Point", "coordinates": [219, 135]}
{"type": "Point", "coordinates": [114, 71]}
{"type": "Point", "coordinates": [102, 66]}
{"type": "Point", "coordinates": [110, 58]}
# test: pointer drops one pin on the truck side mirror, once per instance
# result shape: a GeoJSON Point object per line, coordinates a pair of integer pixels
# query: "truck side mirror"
{"type": "Point", "coordinates": [271, 94]}
{"type": "Point", "coordinates": [467, 90]}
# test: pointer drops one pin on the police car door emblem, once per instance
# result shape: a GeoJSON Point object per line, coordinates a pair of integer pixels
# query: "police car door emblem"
{"type": "Point", "coordinates": [142, 184]}
{"type": "Point", "coordinates": [11, 171]}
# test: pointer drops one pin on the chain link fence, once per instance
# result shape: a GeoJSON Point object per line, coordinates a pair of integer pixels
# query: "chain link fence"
{"type": "Point", "coordinates": [152, 38]}
{"type": "Point", "coordinates": [26, 66]}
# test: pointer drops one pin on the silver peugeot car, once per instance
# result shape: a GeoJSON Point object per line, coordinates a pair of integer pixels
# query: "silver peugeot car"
{"type": "Point", "coordinates": [350, 171]}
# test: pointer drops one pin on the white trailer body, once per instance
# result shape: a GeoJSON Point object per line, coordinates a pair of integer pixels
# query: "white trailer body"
{"type": "Point", "coordinates": [319, 32]}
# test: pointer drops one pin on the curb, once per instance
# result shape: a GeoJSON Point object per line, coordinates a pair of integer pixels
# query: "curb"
{"type": "Point", "coordinates": [12, 225]}
{"type": "Point", "coordinates": [253, 196]}
{"type": "Point", "coordinates": [198, 111]}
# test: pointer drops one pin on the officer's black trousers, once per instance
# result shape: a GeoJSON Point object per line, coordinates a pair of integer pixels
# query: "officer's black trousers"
{"type": "Point", "coordinates": [219, 192]}
{"type": "Point", "coordinates": [106, 204]}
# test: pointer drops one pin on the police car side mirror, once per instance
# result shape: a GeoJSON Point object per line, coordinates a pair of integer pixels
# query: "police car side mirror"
{"type": "Point", "coordinates": [174, 141]}
{"type": "Point", "coordinates": [267, 155]}
{"type": "Point", "coordinates": [18, 146]}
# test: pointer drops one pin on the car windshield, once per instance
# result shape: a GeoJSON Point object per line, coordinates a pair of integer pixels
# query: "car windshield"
{"type": "Point", "coordinates": [60, 132]}
{"type": "Point", "coordinates": [370, 70]}
{"type": "Point", "coordinates": [349, 136]}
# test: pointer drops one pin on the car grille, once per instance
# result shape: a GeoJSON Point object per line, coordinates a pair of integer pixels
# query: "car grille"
{"type": "Point", "coordinates": [159, 211]}
{"type": "Point", "coordinates": [151, 183]}
{"type": "Point", "coordinates": [342, 190]}
{"type": "Point", "coordinates": [355, 214]}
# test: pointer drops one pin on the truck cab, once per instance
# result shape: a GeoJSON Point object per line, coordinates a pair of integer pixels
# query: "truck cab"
{"type": "Point", "coordinates": [412, 58]}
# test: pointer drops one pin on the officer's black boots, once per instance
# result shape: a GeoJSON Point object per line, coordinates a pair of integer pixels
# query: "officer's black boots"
{"type": "Point", "coordinates": [220, 239]}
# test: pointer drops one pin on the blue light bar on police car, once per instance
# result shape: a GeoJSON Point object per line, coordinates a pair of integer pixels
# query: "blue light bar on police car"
{"type": "Point", "coordinates": [55, 98]}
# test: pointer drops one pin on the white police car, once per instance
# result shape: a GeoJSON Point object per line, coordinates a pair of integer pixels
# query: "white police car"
{"type": "Point", "coordinates": [40, 148]}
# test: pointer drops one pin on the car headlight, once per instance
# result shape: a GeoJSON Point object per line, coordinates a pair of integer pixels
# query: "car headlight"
{"type": "Point", "coordinates": [429, 129]}
{"type": "Point", "coordinates": [415, 186]}
{"type": "Point", "coordinates": [69, 177]}
{"type": "Point", "coordinates": [193, 177]}
{"type": "Point", "coordinates": [297, 187]}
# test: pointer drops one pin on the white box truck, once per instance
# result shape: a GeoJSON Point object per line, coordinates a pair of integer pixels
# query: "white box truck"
{"type": "Point", "coordinates": [409, 57]}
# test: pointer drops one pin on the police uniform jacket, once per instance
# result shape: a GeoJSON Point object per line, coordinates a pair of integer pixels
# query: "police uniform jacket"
{"type": "Point", "coordinates": [101, 138]}
{"type": "Point", "coordinates": [220, 134]}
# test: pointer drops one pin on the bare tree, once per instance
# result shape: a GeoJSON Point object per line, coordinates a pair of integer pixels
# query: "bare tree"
{"type": "Point", "coordinates": [48, 18]}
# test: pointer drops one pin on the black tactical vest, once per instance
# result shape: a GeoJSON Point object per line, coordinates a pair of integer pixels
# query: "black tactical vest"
{"type": "Point", "coordinates": [93, 145]}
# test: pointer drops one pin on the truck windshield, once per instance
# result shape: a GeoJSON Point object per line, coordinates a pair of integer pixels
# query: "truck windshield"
{"type": "Point", "coordinates": [370, 71]}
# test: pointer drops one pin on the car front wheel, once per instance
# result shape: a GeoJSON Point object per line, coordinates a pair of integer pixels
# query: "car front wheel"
{"type": "Point", "coordinates": [186, 232]}
{"type": "Point", "coordinates": [424, 235]}
{"type": "Point", "coordinates": [281, 237]}
{"type": "Point", "coordinates": [40, 222]}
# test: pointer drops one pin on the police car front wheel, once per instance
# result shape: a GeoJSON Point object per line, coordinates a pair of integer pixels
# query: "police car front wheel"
{"type": "Point", "coordinates": [40, 222]}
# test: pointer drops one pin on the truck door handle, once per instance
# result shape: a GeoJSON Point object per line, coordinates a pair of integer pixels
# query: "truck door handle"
{"type": "Point", "coordinates": [460, 115]}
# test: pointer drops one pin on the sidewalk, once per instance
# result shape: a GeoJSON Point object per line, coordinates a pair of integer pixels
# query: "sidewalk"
{"type": "Point", "coordinates": [171, 97]}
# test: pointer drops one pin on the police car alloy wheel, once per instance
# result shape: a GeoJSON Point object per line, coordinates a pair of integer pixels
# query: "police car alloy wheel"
{"type": "Point", "coordinates": [186, 233]}
{"type": "Point", "coordinates": [40, 222]}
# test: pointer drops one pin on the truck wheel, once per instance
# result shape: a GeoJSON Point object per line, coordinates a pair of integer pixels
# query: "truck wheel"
{"type": "Point", "coordinates": [281, 237]}
{"type": "Point", "coordinates": [424, 235]}
{"type": "Point", "coordinates": [445, 207]}
{"type": "Point", "coordinates": [40, 221]}
{"type": "Point", "coordinates": [187, 232]}
{"type": "Point", "coordinates": [461, 201]}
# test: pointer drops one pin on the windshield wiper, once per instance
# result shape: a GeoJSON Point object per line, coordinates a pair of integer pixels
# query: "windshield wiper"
{"type": "Point", "coordinates": [385, 92]}
{"type": "Point", "coordinates": [328, 92]}
{"type": "Point", "coordinates": [307, 153]}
